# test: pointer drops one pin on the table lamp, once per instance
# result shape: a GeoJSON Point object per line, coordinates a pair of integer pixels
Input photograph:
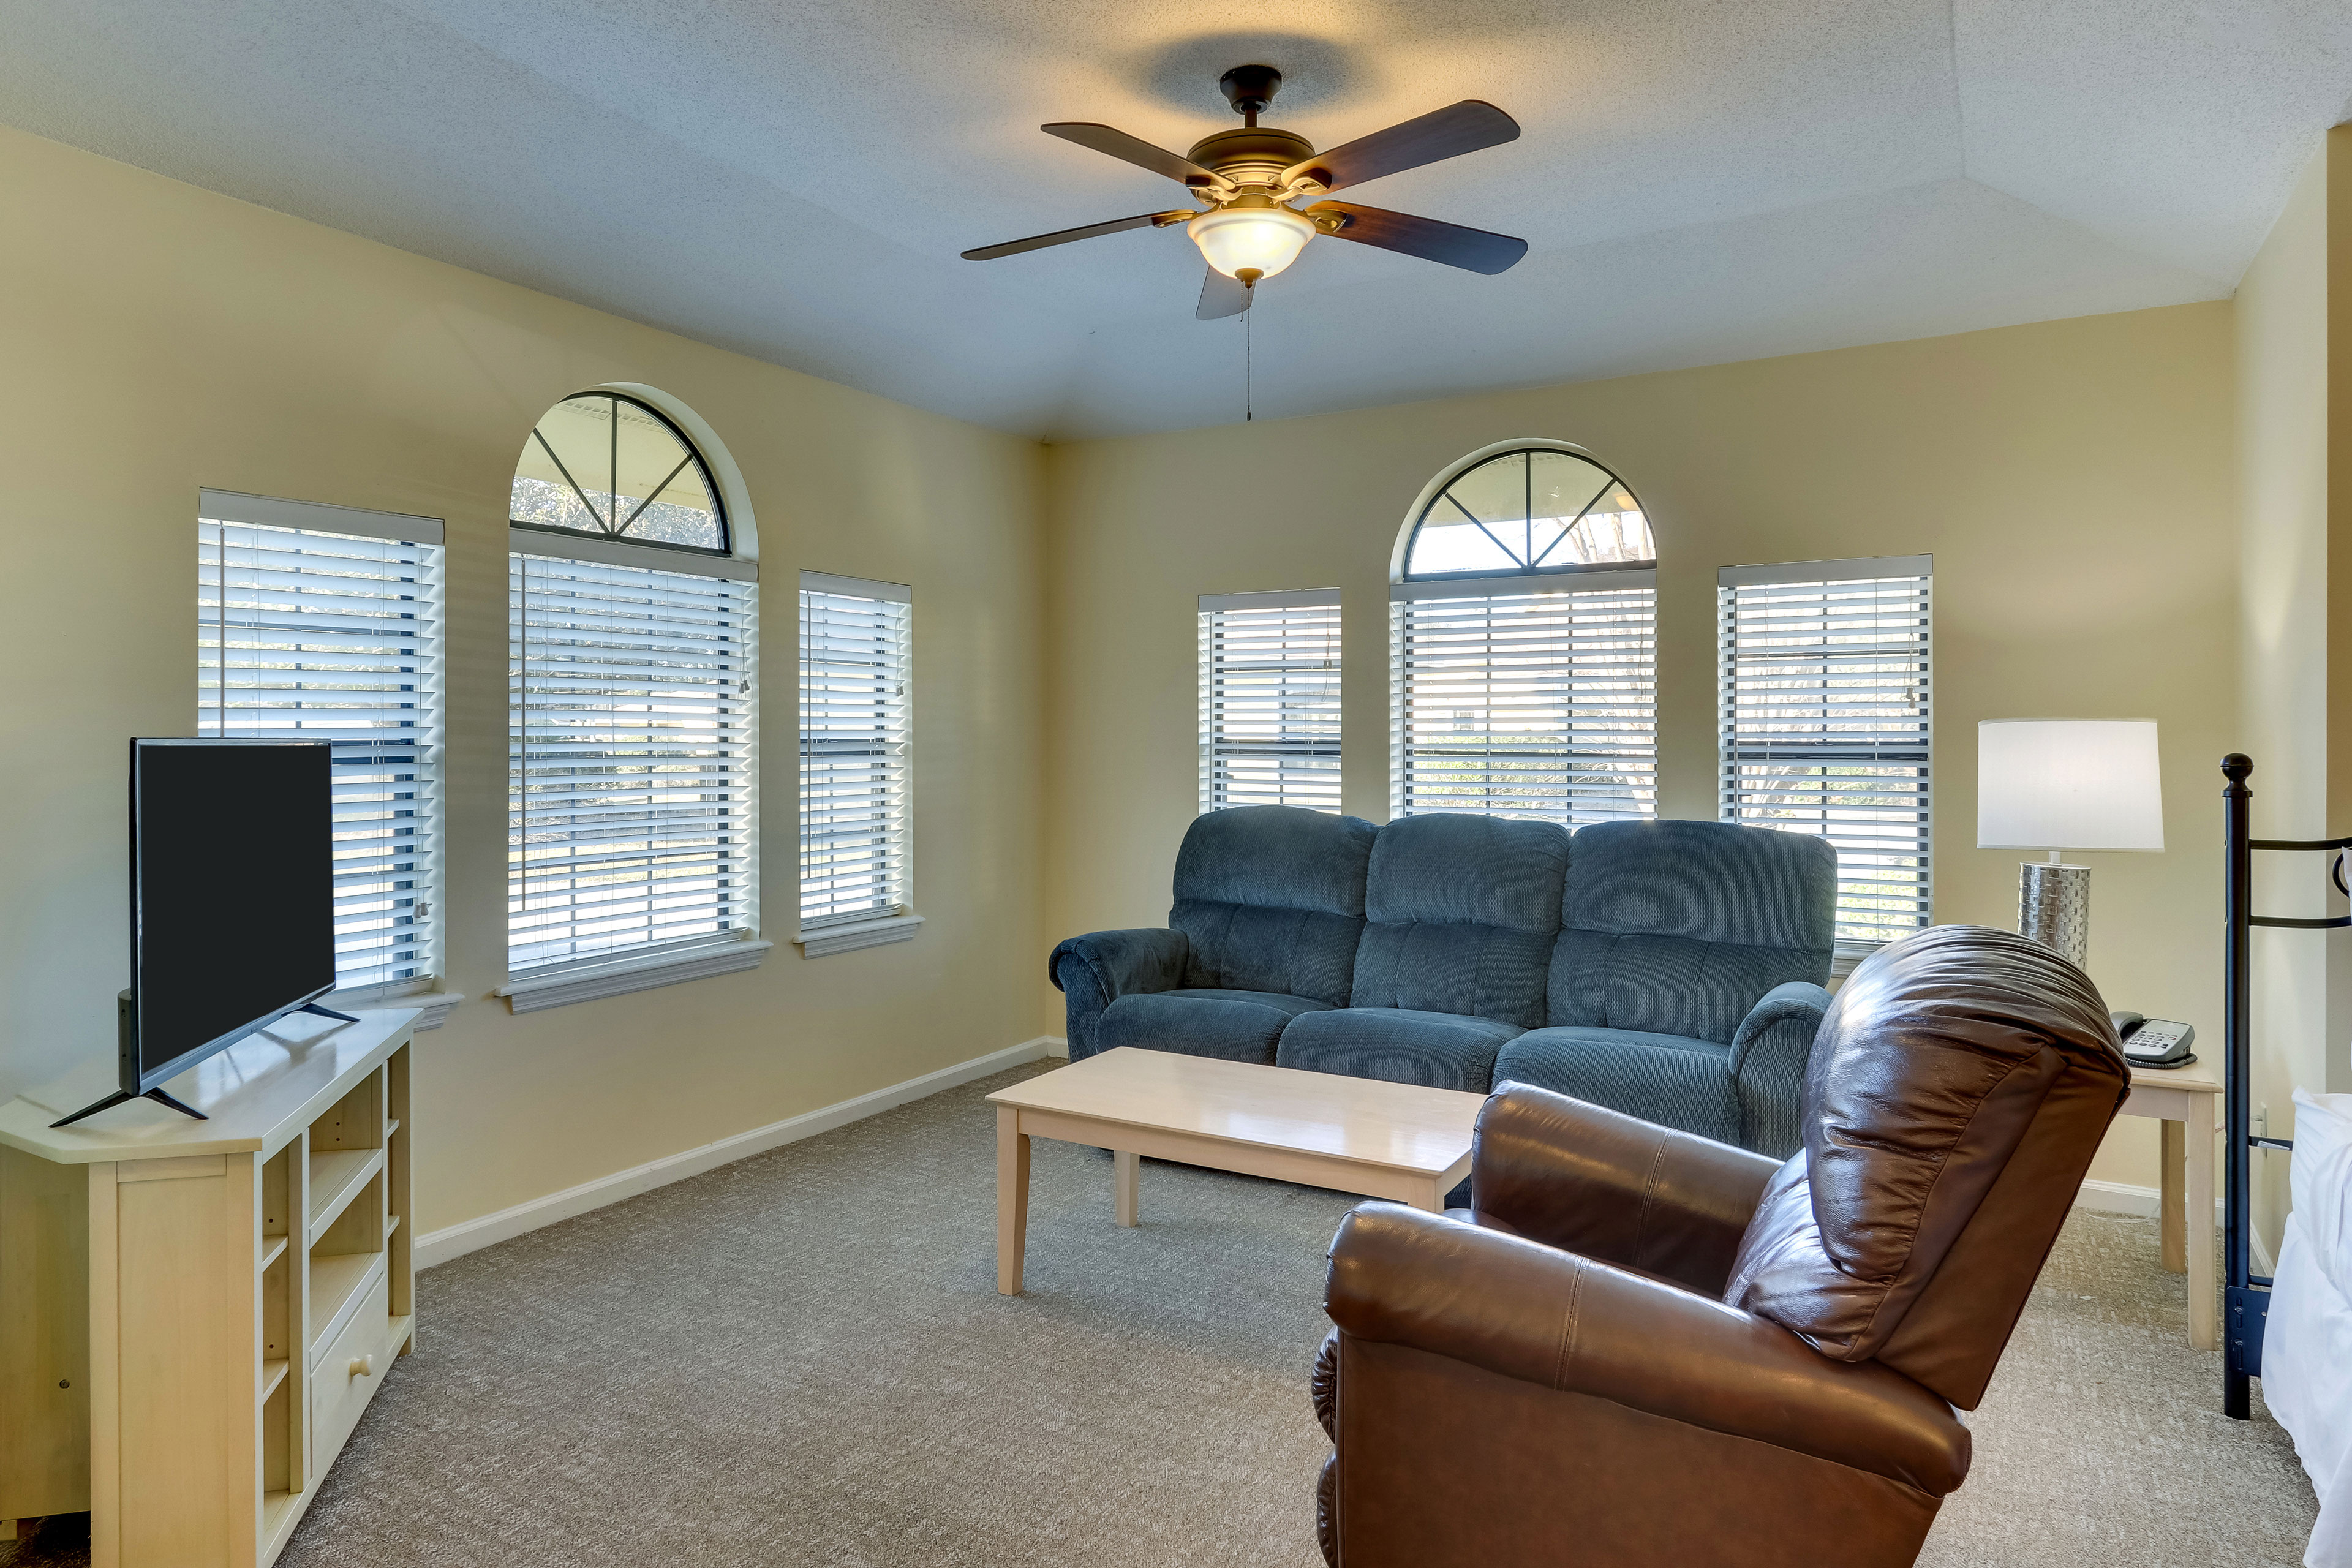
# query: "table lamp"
{"type": "Point", "coordinates": [2065, 783]}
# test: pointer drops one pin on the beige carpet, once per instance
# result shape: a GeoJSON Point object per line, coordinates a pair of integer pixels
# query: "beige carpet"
{"type": "Point", "coordinates": [801, 1358]}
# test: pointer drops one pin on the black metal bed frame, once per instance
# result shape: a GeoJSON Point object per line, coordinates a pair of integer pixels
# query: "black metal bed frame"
{"type": "Point", "coordinates": [2246, 1295]}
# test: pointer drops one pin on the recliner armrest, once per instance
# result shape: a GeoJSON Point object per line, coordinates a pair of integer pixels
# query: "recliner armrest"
{"type": "Point", "coordinates": [1526, 1312]}
{"type": "Point", "coordinates": [1771, 1051]}
{"type": "Point", "coordinates": [1579, 1176]}
{"type": "Point", "coordinates": [1099, 968]}
{"type": "Point", "coordinates": [1792, 1000]}
{"type": "Point", "coordinates": [1148, 958]}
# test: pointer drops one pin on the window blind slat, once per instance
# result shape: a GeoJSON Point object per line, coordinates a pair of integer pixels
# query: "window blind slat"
{"type": "Point", "coordinates": [1269, 704]}
{"type": "Point", "coordinates": [1823, 697]}
{"type": "Point", "coordinates": [632, 750]}
{"type": "Point", "coordinates": [857, 680]}
{"type": "Point", "coordinates": [1526, 704]}
{"type": "Point", "coordinates": [306, 632]}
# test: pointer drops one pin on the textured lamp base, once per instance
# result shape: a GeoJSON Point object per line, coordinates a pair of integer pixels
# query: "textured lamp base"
{"type": "Point", "coordinates": [2053, 907]}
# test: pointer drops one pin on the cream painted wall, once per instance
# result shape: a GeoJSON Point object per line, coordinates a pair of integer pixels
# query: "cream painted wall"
{"type": "Point", "coordinates": [2294, 418]}
{"type": "Point", "coordinates": [159, 338]}
{"type": "Point", "coordinates": [2283, 416]}
{"type": "Point", "coordinates": [2074, 479]}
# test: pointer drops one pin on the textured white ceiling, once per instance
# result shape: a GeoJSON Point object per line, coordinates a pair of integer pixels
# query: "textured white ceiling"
{"type": "Point", "coordinates": [793, 178]}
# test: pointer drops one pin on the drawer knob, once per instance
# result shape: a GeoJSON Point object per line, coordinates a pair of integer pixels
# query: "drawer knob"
{"type": "Point", "coordinates": [363, 1365]}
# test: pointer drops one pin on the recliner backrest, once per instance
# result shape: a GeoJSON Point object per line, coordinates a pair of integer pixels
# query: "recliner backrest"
{"type": "Point", "coordinates": [1679, 928]}
{"type": "Point", "coordinates": [1460, 914]}
{"type": "Point", "coordinates": [1960, 1086]}
{"type": "Point", "coordinates": [1273, 900]}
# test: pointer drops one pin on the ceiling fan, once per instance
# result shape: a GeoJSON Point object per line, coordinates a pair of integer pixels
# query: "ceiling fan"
{"type": "Point", "coordinates": [1249, 181]}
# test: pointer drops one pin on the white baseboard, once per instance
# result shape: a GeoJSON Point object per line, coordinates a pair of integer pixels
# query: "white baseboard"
{"type": "Point", "coordinates": [455, 1241]}
{"type": "Point", "coordinates": [2122, 1197]}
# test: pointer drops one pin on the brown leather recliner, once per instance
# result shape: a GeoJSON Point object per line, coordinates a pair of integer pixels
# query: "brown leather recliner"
{"type": "Point", "coordinates": [1642, 1347]}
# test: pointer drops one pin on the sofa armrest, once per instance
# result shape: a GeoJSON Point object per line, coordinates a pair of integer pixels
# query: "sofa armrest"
{"type": "Point", "coordinates": [1097, 969]}
{"type": "Point", "coordinates": [1579, 1176]}
{"type": "Point", "coordinates": [1566, 1322]}
{"type": "Point", "coordinates": [1769, 1053]}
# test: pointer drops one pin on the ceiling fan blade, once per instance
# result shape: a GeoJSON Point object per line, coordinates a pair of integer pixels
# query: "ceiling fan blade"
{"type": "Point", "coordinates": [1141, 153]}
{"type": "Point", "coordinates": [1221, 296]}
{"type": "Point", "coordinates": [1063, 237]}
{"type": "Point", "coordinates": [1474, 249]}
{"type": "Point", "coordinates": [1447, 132]}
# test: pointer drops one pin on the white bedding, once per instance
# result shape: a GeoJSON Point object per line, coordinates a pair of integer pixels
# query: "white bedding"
{"type": "Point", "coordinates": [2307, 1344]}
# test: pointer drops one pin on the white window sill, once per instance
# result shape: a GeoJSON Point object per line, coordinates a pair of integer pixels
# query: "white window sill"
{"type": "Point", "coordinates": [593, 982]}
{"type": "Point", "coordinates": [829, 940]}
{"type": "Point", "coordinates": [435, 1005]}
{"type": "Point", "coordinates": [1849, 954]}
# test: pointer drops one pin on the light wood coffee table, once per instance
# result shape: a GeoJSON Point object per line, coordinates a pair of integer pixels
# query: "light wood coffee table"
{"type": "Point", "coordinates": [1320, 1129]}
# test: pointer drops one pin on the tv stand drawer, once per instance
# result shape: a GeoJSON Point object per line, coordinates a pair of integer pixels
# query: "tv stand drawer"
{"type": "Point", "coordinates": [338, 1393]}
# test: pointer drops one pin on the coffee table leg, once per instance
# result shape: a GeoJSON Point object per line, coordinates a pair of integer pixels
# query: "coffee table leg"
{"type": "Point", "coordinates": [1126, 1170]}
{"type": "Point", "coordinates": [1011, 1198]}
{"type": "Point", "coordinates": [1430, 1201]}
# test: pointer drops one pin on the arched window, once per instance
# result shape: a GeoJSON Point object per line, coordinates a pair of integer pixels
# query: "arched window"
{"type": "Point", "coordinates": [1523, 641]}
{"type": "Point", "coordinates": [633, 728]}
{"type": "Point", "coordinates": [613, 466]}
{"type": "Point", "coordinates": [1526, 510]}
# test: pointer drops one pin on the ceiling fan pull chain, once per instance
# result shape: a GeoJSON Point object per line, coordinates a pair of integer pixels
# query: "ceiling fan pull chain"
{"type": "Point", "coordinates": [1249, 360]}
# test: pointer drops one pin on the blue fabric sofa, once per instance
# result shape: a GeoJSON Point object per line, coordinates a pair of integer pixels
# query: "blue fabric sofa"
{"type": "Point", "coordinates": [1670, 970]}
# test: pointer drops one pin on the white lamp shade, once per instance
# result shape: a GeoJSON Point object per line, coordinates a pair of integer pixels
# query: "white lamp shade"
{"type": "Point", "coordinates": [2068, 783]}
{"type": "Point", "coordinates": [1237, 239]}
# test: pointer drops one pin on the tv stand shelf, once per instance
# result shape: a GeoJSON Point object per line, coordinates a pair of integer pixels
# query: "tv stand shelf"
{"type": "Point", "coordinates": [248, 1274]}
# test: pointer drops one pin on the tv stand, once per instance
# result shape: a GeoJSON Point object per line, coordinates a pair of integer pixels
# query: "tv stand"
{"type": "Point", "coordinates": [325, 1012]}
{"type": "Point", "coordinates": [195, 1314]}
{"type": "Point", "coordinates": [157, 1094]}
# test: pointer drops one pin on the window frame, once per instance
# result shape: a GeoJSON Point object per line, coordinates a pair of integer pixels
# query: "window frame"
{"type": "Point", "coordinates": [894, 920]}
{"type": "Point", "coordinates": [1730, 755]}
{"type": "Point", "coordinates": [642, 967]}
{"type": "Point", "coordinates": [426, 812]}
{"type": "Point", "coordinates": [1219, 687]}
{"type": "Point", "coordinates": [1408, 588]}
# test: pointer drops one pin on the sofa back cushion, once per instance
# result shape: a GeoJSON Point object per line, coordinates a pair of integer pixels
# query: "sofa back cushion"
{"type": "Point", "coordinates": [1461, 912]}
{"type": "Point", "coordinates": [1679, 928]}
{"type": "Point", "coordinates": [1273, 900]}
{"type": "Point", "coordinates": [1962, 1081]}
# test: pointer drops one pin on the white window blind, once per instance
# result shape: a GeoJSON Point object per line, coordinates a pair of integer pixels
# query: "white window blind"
{"type": "Point", "coordinates": [1270, 699]}
{"type": "Point", "coordinates": [856, 671]}
{"type": "Point", "coordinates": [633, 746]}
{"type": "Point", "coordinates": [1823, 670]}
{"type": "Point", "coordinates": [1526, 695]}
{"type": "Point", "coordinates": [319, 631]}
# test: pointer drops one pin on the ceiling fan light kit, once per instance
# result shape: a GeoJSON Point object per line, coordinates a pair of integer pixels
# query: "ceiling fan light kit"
{"type": "Point", "coordinates": [1250, 243]}
{"type": "Point", "coordinates": [1250, 179]}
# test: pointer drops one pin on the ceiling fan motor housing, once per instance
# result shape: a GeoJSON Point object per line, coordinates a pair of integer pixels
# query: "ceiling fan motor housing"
{"type": "Point", "coordinates": [1252, 155]}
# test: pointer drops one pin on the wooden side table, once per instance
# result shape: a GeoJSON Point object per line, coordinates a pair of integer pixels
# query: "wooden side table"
{"type": "Point", "coordinates": [2182, 1101]}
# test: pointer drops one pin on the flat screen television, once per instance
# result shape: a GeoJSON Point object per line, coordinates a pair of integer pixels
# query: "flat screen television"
{"type": "Point", "coordinates": [232, 901]}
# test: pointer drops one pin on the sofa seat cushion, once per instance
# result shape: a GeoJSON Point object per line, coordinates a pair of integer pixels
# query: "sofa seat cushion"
{"type": "Point", "coordinates": [1437, 1050]}
{"type": "Point", "coordinates": [1235, 1025]}
{"type": "Point", "coordinates": [1671, 1080]}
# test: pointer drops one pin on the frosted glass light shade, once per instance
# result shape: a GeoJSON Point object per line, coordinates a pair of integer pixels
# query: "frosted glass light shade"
{"type": "Point", "coordinates": [1236, 238]}
{"type": "Point", "coordinates": [2068, 783]}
